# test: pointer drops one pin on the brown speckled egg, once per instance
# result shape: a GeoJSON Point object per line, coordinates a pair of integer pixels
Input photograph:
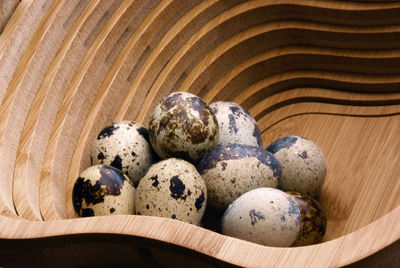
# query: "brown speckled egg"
{"type": "Point", "coordinates": [236, 125]}
{"type": "Point", "coordinates": [183, 126]}
{"type": "Point", "coordinates": [103, 190]}
{"type": "Point", "coordinates": [303, 164]}
{"type": "Point", "coordinates": [124, 145]}
{"type": "Point", "coordinates": [230, 171]}
{"type": "Point", "coordinates": [313, 220]}
{"type": "Point", "coordinates": [172, 189]}
{"type": "Point", "coordinates": [265, 216]}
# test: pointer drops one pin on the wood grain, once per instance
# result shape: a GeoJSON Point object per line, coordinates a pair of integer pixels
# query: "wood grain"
{"type": "Point", "coordinates": [7, 8]}
{"type": "Point", "coordinates": [326, 70]}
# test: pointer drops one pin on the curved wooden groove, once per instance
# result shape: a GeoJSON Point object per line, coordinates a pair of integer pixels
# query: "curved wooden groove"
{"type": "Point", "coordinates": [297, 95]}
{"type": "Point", "coordinates": [6, 138]}
{"type": "Point", "coordinates": [333, 80]}
{"type": "Point", "coordinates": [167, 39]}
{"type": "Point", "coordinates": [100, 98]}
{"type": "Point", "coordinates": [24, 153]}
{"type": "Point", "coordinates": [273, 27]}
{"type": "Point", "coordinates": [241, 46]}
{"type": "Point", "coordinates": [47, 170]}
{"type": "Point", "coordinates": [302, 57]}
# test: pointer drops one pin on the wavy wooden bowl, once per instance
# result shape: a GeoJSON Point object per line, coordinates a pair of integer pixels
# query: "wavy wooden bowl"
{"type": "Point", "coordinates": [326, 70]}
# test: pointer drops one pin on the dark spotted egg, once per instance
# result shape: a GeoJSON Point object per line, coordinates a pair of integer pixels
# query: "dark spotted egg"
{"type": "Point", "coordinates": [303, 164]}
{"type": "Point", "coordinates": [172, 189]}
{"type": "Point", "coordinates": [126, 146]}
{"type": "Point", "coordinates": [313, 220]}
{"type": "Point", "coordinates": [103, 190]}
{"type": "Point", "coordinates": [236, 125]}
{"type": "Point", "coordinates": [265, 216]}
{"type": "Point", "coordinates": [230, 171]}
{"type": "Point", "coordinates": [183, 126]}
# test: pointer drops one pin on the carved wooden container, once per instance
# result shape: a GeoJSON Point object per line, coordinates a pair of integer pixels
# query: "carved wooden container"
{"type": "Point", "coordinates": [326, 70]}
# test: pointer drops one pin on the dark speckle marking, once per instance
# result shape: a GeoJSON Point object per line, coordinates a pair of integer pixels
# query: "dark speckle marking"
{"type": "Point", "coordinates": [232, 124]}
{"type": "Point", "coordinates": [147, 206]}
{"type": "Point", "coordinates": [224, 164]}
{"type": "Point", "coordinates": [282, 143]}
{"type": "Point", "coordinates": [303, 155]}
{"type": "Point", "coordinates": [173, 216]}
{"type": "Point", "coordinates": [255, 216]}
{"type": "Point", "coordinates": [172, 100]}
{"type": "Point", "coordinates": [110, 183]}
{"type": "Point", "coordinates": [257, 135]}
{"type": "Point", "coordinates": [199, 201]}
{"type": "Point", "coordinates": [155, 180]}
{"type": "Point", "coordinates": [117, 162]}
{"type": "Point", "coordinates": [107, 131]}
{"type": "Point", "coordinates": [112, 210]}
{"type": "Point", "coordinates": [237, 110]}
{"type": "Point", "coordinates": [87, 212]}
{"type": "Point", "coordinates": [283, 218]}
{"type": "Point", "coordinates": [293, 209]}
{"type": "Point", "coordinates": [176, 187]}
{"type": "Point", "coordinates": [144, 133]}
{"type": "Point", "coordinates": [236, 151]}
{"type": "Point", "coordinates": [133, 154]}
{"type": "Point", "coordinates": [100, 156]}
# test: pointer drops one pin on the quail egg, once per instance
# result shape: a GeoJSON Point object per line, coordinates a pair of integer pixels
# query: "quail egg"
{"type": "Point", "coordinates": [313, 220]}
{"type": "Point", "coordinates": [230, 171]}
{"type": "Point", "coordinates": [183, 126]}
{"type": "Point", "coordinates": [126, 146]}
{"type": "Point", "coordinates": [103, 190]}
{"type": "Point", "coordinates": [236, 125]}
{"type": "Point", "coordinates": [172, 189]}
{"type": "Point", "coordinates": [265, 216]}
{"type": "Point", "coordinates": [303, 164]}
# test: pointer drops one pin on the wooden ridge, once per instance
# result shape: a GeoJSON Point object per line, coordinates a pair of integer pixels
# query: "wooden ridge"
{"type": "Point", "coordinates": [327, 70]}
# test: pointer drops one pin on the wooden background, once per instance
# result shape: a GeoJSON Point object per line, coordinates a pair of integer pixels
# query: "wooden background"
{"type": "Point", "coordinates": [326, 70]}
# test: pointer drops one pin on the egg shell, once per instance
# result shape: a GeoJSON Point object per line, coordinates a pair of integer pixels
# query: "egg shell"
{"type": "Point", "coordinates": [266, 216]}
{"type": "Point", "coordinates": [303, 164]}
{"type": "Point", "coordinates": [103, 190]}
{"type": "Point", "coordinates": [183, 126]}
{"type": "Point", "coordinates": [236, 125]}
{"type": "Point", "coordinates": [230, 171]}
{"type": "Point", "coordinates": [172, 189]}
{"type": "Point", "coordinates": [124, 145]}
{"type": "Point", "coordinates": [313, 220]}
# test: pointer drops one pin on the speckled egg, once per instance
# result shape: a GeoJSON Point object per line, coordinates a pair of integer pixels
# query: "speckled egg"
{"type": "Point", "coordinates": [183, 126]}
{"type": "Point", "coordinates": [303, 164]}
{"type": "Point", "coordinates": [230, 171]}
{"type": "Point", "coordinates": [124, 145]}
{"type": "Point", "coordinates": [103, 190]}
{"type": "Point", "coordinates": [265, 216]}
{"type": "Point", "coordinates": [236, 125]}
{"type": "Point", "coordinates": [313, 220]}
{"type": "Point", "coordinates": [172, 189]}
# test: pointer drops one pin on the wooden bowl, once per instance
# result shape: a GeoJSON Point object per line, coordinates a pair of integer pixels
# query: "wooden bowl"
{"type": "Point", "coordinates": [326, 70]}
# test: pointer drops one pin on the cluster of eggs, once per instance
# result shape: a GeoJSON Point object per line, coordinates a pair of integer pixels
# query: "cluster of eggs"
{"type": "Point", "coordinates": [194, 156]}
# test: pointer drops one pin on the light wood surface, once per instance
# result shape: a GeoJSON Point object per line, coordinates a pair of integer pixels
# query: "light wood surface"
{"type": "Point", "coordinates": [326, 70]}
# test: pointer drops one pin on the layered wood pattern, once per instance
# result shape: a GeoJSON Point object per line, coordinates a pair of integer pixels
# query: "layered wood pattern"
{"type": "Point", "coordinates": [326, 70]}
